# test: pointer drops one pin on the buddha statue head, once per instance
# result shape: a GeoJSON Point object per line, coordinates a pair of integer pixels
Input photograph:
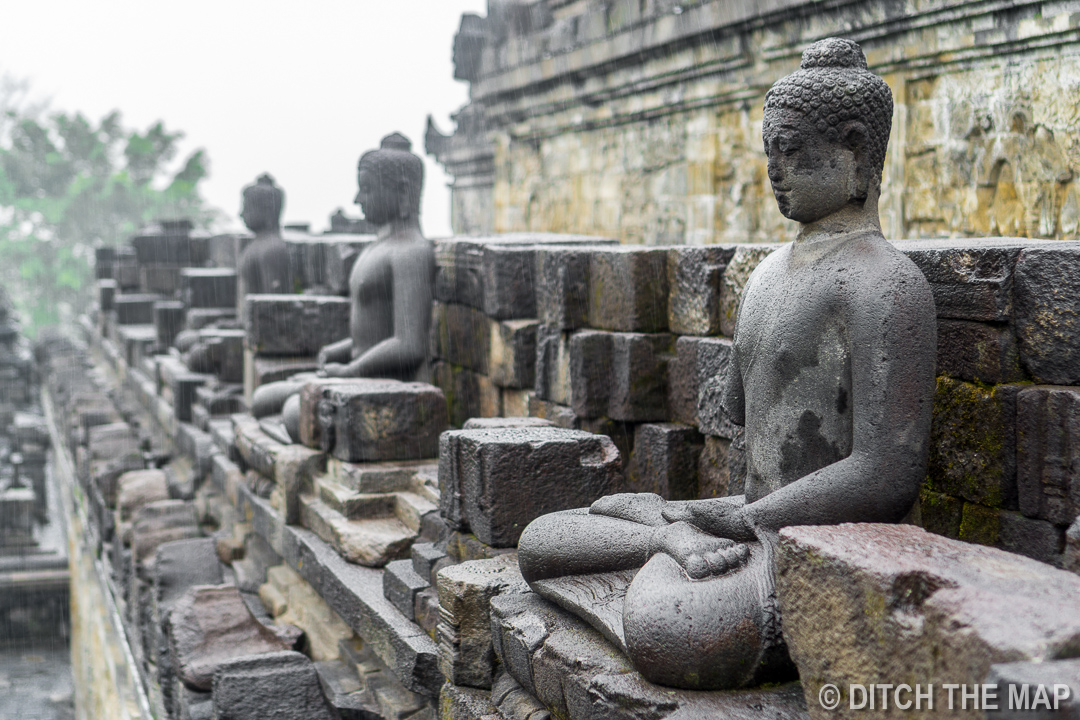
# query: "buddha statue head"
{"type": "Point", "coordinates": [826, 127]}
{"type": "Point", "coordinates": [263, 203]}
{"type": "Point", "coordinates": [390, 181]}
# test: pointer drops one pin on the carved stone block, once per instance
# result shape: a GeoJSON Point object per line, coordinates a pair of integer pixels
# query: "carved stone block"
{"type": "Point", "coordinates": [694, 275]}
{"type": "Point", "coordinates": [628, 289]}
{"type": "Point", "coordinates": [665, 460]}
{"type": "Point", "coordinates": [208, 287]}
{"type": "Point", "coordinates": [1048, 453]}
{"type": "Point", "coordinates": [294, 325]}
{"type": "Point", "coordinates": [622, 376]}
{"type": "Point", "coordinates": [373, 420]}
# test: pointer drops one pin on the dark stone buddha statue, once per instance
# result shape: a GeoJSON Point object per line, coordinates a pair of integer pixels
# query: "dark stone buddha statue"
{"type": "Point", "coordinates": [832, 376]}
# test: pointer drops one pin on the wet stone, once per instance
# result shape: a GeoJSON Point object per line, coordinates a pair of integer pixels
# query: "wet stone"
{"type": "Point", "coordinates": [552, 365]}
{"type": "Point", "coordinates": [694, 275]}
{"type": "Point", "coordinates": [168, 321]}
{"type": "Point", "coordinates": [208, 287]}
{"type": "Point", "coordinates": [210, 625]}
{"type": "Point", "coordinates": [512, 353]}
{"type": "Point", "coordinates": [468, 394]}
{"type": "Point", "coordinates": [1048, 453]}
{"type": "Point", "coordinates": [281, 685]}
{"type": "Point", "coordinates": [970, 279]}
{"type": "Point", "coordinates": [183, 564]}
{"type": "Point", "coordinates": [948, 610]}
{"type": "Point", "coordinates": [562, 287]}
{"type": "Point", "coordinates": [712, 357]}
{"type": "Point", "coordinates": [665, 460]}
{"type": "Point", "coordinates": [543, 469]}
{"type": "Point", "coordinates": [135, 309]}
{"type": "Point", "coordinates": [294, 325]}
{"type": "Point", "coordinates": [628, 289]}
{"type": "Point", "coordinates": [979, 352]}
{"type": "Point", "coordinates": [375, 420]}
{"type": "Point", "coordinates": [621, 376]}
{"type": "Point", "coordinates": [461, 336]}
{"type": "Point", "coordinates": [1047, 313]}
{"type": "Point", "coordinates": [401, 584]}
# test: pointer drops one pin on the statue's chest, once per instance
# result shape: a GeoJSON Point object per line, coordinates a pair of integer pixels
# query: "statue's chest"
{"type": "Point", "coordinates": [372, 276]}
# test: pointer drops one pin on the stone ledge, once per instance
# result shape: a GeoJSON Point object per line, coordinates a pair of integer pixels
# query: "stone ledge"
{"type": "Point", "coordinates": [578, 675]}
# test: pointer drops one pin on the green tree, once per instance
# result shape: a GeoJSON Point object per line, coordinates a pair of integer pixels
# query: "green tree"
{"type": "Point", "coordinates": [67, 185]}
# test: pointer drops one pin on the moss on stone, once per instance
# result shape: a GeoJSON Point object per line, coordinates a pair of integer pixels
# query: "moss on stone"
{"type": "Point", "coordinates": [979, 524]}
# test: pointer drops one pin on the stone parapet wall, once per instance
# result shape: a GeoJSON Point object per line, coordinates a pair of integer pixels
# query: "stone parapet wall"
{"type": "Point", "coordinates": [641, 119]}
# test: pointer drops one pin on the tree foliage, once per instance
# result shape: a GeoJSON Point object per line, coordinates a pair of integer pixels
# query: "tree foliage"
{"type": "Point", "coordinates": [68, 184]}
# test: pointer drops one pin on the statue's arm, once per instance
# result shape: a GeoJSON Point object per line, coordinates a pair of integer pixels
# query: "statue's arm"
{"type": "Point", "coordinates": [893, 335]}
{"type": "Point", "coordinates": [408, 347]}
{"type": "Point", "coordinates": [338, 352]}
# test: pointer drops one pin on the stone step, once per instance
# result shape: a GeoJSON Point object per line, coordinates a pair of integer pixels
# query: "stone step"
{"type": "Point", "coordinates": [411, 508]}
{"type": "Point", "coordinates": [352, 504]}
{"type": "Point", "coordinates": [344, 691]}
{"type": "Point", "coordinates": [401, 585]}
{"type": "Point", "coordinates": [376, 477]}
{"type": "Point", "coordinates": [424, 556]}
{"type": "Point", "coordinates": [372, 542]}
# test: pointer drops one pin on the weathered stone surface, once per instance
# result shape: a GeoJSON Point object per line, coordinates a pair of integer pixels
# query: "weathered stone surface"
{"type": "Point", "coordinates": [514, 702]}
{"type": "Point", "coordinates": [181, 565]}
{"type": "Point", "coordinates": [461, 335]}
{"type": "Point", "coordinates": [942, 611]}
{"type": "Point", "coordinates": [694, 275]}
{"type": "Point", "coordinates": [424, 557]}
{"type": "Point", "coordinates": [973, 442]}
{"type": "Point", "coordinates": [208, 287]}
{"type": "Point", "coordinates": [463, 703]}
{"type": "Point", "coordinates": [1048, 453]}
{"type": "Point", "coordinates": [562, 287]}
{"type": "Point", "coordinates": [628, 289]}
{"type": "Point", "coordinates": [371, 542]}
{"type": "Point", "coordinates": [344, 691]}
{"type": "Point", "coordinates": [272, 685]}
{"type": "Point", "coordinates": [138, 488]}
{"type": "Point", "coordinates": [294, 325]}
{"type": "Point", "coordinates": [1042, 690]}
{"type": "Point", "coordinates": [294, 603]}
{"type": "Point", "coordinates": [183, 386]}
{"type": "Point", "coordinates": [577, 674]}
{"type": "Point", "coordinates": [374, 420]}
{"type": "Point", "coordinates": [209, 626]}
{"type": "Point", "coordinates": [978, 352]}
{"type": "Point", "coordinates": [743, 262]}
{"type": "Point", "coordinates": [543, 469]}
{"type": "Point", "coordinates": [169, 318]}
{"type": "Point", "coordinates": [468, 394]}
{"type": "Point", "coordinates": [222, 354]}
{"type": "Point", "coordinates": [665, 460]}
{"type": "Point", "coordinates": [1046, 288]}
{"type": "Point", "coordinates": [683, 381]}
{"type": "Point", "coordinates": [508, 285]}
{"type": "Point", "coordinates": [401, 584]}
{"type": "Point", "coordinates": [466, 654]}
{"type": "Point", "coordinates": [340, 258]}
{"type": "Point", "coordinates": [512, 353]}
{"type": "Point", "coordinates": [515, 403]}
{"type": "Point", "coordinates": [712, 358]}
{"type": "Point", "coordinates": [506, 422]}
{"type": "Point", "coordinates": [1071, 558]}
{"type": "Point", "coordinates": [940, 513]}
{"type": "Point", "coordinates": [107, 291]}
{"type": "Point", "coordinates": [135, 309]}
{"type": "Point", "coordinates": [552, 365]}
{"type": "Point", "coordinates": [161, 522]}
{"type": "Point", "coordinates": [970, 279]}
{"type": "Point", "coordinates": [622, 376]}
{"type": "Point", "coordinates": [561, 415]}
{"type": "Point", "coordinates": [713, 470]}
{"type": "Point", "coordinates": [1005, 529]}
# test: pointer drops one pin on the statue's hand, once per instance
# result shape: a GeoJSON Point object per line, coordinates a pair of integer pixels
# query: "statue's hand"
{"type": "Point", "coordinates": [643, 508]}
{"type": "Point", "coordinates": [321, 358]}
{"type": "Point", "coordinates": [700, 554]}
{"type": "Point", "coordinates": [333, 370]}
{"type": "Point", "coordinates": [722, 517]}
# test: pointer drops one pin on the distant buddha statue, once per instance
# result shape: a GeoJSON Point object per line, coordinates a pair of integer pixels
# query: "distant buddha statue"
{"type": "Point", "coordinates": [263, 266]}
{"type": "Point", "coordinates": [832, 375]}
{"type": "Point", "coordinates": [390, 286]}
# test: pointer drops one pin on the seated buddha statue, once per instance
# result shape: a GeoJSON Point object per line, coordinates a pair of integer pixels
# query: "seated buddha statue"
{"type": "Point", "coordinates": [263, 266]}
{"type": "Point", "coordinates": [831, 375]}
{"type": "Point", "coordinates": [390, 286]}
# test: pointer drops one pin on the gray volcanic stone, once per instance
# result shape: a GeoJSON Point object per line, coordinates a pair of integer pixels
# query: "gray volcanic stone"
{"type": "Point", "coordinates": [106, 294]}
{"type": "Point", "coordinates": [460, 335]}
{"type": "Point", "coordinates": [169, 318]}
{"type": "Point", "coordinates": [1048, 453]}
{"type": "Point", "coordinates": [562, 287]}
{"type": "Point", "coordinates": [970, 279]}
{"type": "Point", "coordinates": [683, 381]}
{"type": "Point", "coordinates": [466, 654]}
{"type": "Point", "coordinates": [628, 289]}
{"type": "Point", "coordinates": [542, 469]}
{"type": "Point", "coordinates": [279, 685]}
{"type": "Point", "coordinates": [946, 611]}
{"type": "Point", "coordinates": [973, 442]}
{"type": "Point", "coordinates": [712, 358]}
{"type": "Point", "coordinates": [373, 420]}
{"type": "Point", "coordinates": [1046, 288]}
{"type": "Point", "coordinates": [464, 703]}
{"type": "Point", "coordinates": [665, 460]}
{"type": "Point", "coordinates": [508, 285]}
{"type": "Point", "coordinates": [468, 394]}
{"type": "Point", "coordinates": [512, 353]}
{"type": "Point", "coordinates": [135, 309]}
{"type": "Point", "coordinates": [210, 625]}
{"type": "Point", "coordinates": [736, 274]}
{"type": "Point", "coordinates": [505, 422]}
{"type": "Point", "coordinates": [294, 325]}
{"type": "Point", "coordinates": [552, 365]}
{"type": "Point", "coordinates": [160, 522]}
{"type": "Point", "coordinates": [975, 351]}
{"type": "Point", "coordinates": [574, 672]}
{"type": "Point", "coordinates": [208, 287]}
{"type": "Point", "coordinates": [714, 470]}
{"type": "Point", "coordinates": [401, 584]}
{"type": "Point", "coordinates": [1030, 683]}
{"type": "Point", "coordinates": [621, 376]}
{"type": "Point", "coordinates": [694, 275]}
{"type": "Point", "coordinates": [181, 565]}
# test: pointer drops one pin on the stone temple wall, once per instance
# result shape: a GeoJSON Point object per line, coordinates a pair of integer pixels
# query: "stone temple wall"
{"type": "Point", "coordinates": [641, 119]}
{"type": "Point", "coordinates": [373, 574]}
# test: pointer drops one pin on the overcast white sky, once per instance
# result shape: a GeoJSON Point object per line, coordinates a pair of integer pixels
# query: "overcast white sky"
{"type": "Point", "coordinates": [295, 88]}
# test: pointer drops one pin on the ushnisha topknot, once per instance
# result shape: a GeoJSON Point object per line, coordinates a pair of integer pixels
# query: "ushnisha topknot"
{"type": "Point", "coordinates": [833, 86]}
{"type": "Point", "coordinates": [394, 162]}
{"type": "Point", "coordinates": [265, 195]}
